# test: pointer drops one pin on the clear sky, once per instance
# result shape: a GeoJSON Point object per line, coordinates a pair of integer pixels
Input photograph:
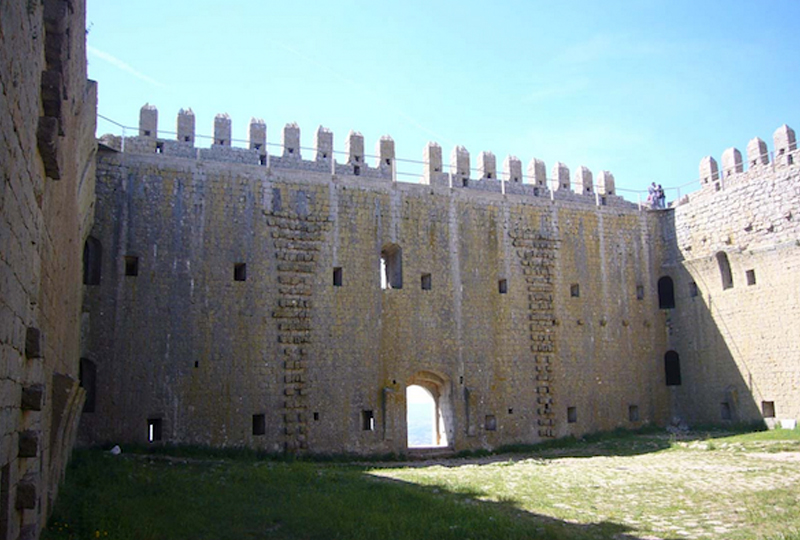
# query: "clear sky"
{"type": "Point", "coordinates": [643, 89]}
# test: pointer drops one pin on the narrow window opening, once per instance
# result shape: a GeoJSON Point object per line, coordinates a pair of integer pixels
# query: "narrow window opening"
{"type": "Point", "coordinates": [751, 277]}
{"type": "Point", "coordinates": [131, 265]}
{"type": "Point", "coordinates": [196, 364]}
{"type": "Point", "coordinates": [693, 290]}
{"type": "Point", "coordinates": [388, 161]}
{"type": "Point", "coordinates": [725, 270]}
{"type": "Point", "coordinates": [357, 158]}
{"type": "Point", "coordinates": [672, 368]}
{"type": "Point", "coordinates": [572, 415]}
{"type": "Point", "coordinates": [159, 148]}
{"type": "Point", "coordinates": [768, 409]}
{"type": "Point", "coordinates": [536, 192]}
{"type": "Point", "coordinates": [316, 416]}
{"type": "Point", "coordinates": [510, 410]}
{"type": "Point", "coordinates": [88, 381]}
{"type": "Point", "coordinates": [186, 138]}
{"type": "Point", "coordinates": [259, 424]}
{"type": "Point", "coordinates": [221, 142]}
{"type": "Point", "coordinates": [324, 155]}
{"type": "Point", "coordinates": [240, 272]}
{"type": "Point", "coordinates": [337, 276]}
{"type": "Point", "coordinates": [489, 176]}
{"type": "Point", "coordinates": [147, 133]}
{"type": "Point", "coordinates": [262, 160]}
{"type": "Point", "coordinates": [257, 146]}
{"type": "Point", "coordinates": [725, 410]}
{"type": "Point", "coordinates": [461, 380]}
{"type": "Point", "coordinates": [491, 422]}
{"type": "Point", "coordinates": [502, 286]}
{"type": "Point", "coordinates": [153, 429]}
{"type": "Point", "coordinates": [392, 267]}
{"type": "Point", "coordinates": [92, 261]}
{"type": "Point", "coordinates": [575, 290]}
{"type": "Point", "coordinates": [640, 292]}
{"type": "Point", "coordinates": [357, 170]}
{"type": "Point", "coordinates": [367, 421]}
{"type": "Point", "coordinates": [790, 159]}
{"type": "Point", "coordinates": [426, 282]}
{"type": "Point", "coordinates": [290, 150]}
{"type": "Point", "coordinates": [633, 413]}
{"type": "Point", "coordinates": [666, 293]}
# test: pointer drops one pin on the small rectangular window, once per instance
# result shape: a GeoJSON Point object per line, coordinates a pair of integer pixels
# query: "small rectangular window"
{"type": "Point", "coordinates": [502, 286]}
{"type": "Point", "coordinates": [159, 148]}
{"type": "Point", "coordinates": [316, 416]}
{"type": "Point", "coordinates": [426, 282]}
{"type": "Point", "coordinates": [356, 170]}
{"type": "Point", "coordinates": [131, 265]}
{"type": "Point", "coordinates": [491, 422]}
{"type": "Point", "coordinates": [240, 272]}
{"type": "Point", "coordinates": [572, 415]}
{"type": "Point", "coordinates": [768, 409]}
{"type": "Point", "coordinates": [725, 410]}
{"type": "Point", "coordinates": [153, 429]}
{"type": "Point", "coordinates": [575, 290]}
{"type": "Point", "coordinates": [367, 421]}
{"type": "Point", "coordinates": [640, 292]}
{"type": "Point", "coordinates": [262, 160]}
{"type": "Point", "coordinates": [751, 277]}
{"type": "Point", "coordinates": [633, 413]}
{"type": "Point", "coordinates": [259, 424]}
{"type": "Point", "coordinates": [693, 290]}
{"type": "Point", "coordinates": [337, 276]}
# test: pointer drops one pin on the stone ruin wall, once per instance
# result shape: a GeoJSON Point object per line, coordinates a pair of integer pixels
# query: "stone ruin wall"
{"type": "Point", "coordinates": [738, 344]}
{"type": "Point", "coordinates": [184, 344]}
{"type": "Point", "coordinates": [47, 124]}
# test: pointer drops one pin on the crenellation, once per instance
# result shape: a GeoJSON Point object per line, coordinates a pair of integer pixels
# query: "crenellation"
{"type": "Point", "coordinates": [148, 121]}
{"type": "Point", "coordinates": [709, 172]}
{"type": "Point", "coordinates": [757, 153]}
{"type": "Point", "coordinates": [384, 150]}
{"type": "Point", "coordinates": [185, 126]}
{"type": "Point", "coordinates": [584, 181]}
{"type": "Point", "coordinates": [257, 136]}
{"type": "Point", "coordinates": [459, 166]}
{"type": "Point", "coordinates": [323, 144]}
{"type": "Point", "coordinates": [432, 172]}
{"type": "Point", "coordinates": [354, 148]}
{"type": "Point", "coordinates": [537, 171]}
{"type": "Point", "coordinates": [291, 141]}
{"type": "Point", "coordinates": [487, 166]}
{"type": "Point", "coordinates": [731, 162]}
{"type": "Point", "coordinates": [222, 130]}
{"type": "Point", "coordinates": [605, 183]}
{"type": "Point", "coordinates": [784, 143]}
{"type": "Point", "coordinates": [560, 174]}
{"type": "Point", "coordinates": [512, 169]}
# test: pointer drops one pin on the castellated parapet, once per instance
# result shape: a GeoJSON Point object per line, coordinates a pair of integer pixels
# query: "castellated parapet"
{"type": "Point", "coordinates": [257, 136]}
{"type": "Point", "coordinates": [487, 166]}
{"type": "Point", "coordinates": [784, 143]}
{"type": "Point", "coordinates": [512, 169]}
{"type": "Point", "coordinates": [606, 184]}
{"type": "Point", "coordinates": [291, 141]}
{"type": "Point", "coordinates": [148, 121]}
{"type": "Point", "coordinates": [757, 153]}
{"type": "Point", "coordinates": [222, 130]}
{"type": "Point", "coordinates": [584, 181]}
{"type": "Point", "coordinates": [323, 144]}
{"type": "Point", "coordinates": [432, 172]}
{"type": "Point", "coordinates": [185, 126]}
{"type": "Point", "coordinates": [537, 171]}
{"type": "Point", "coordinates": [561, 177]}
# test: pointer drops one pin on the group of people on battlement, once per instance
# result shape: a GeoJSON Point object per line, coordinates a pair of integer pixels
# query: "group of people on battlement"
{"type": "Point", "coordinates": [655, 197]}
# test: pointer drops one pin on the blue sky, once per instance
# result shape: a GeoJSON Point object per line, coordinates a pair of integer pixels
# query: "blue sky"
{"type": "Point", "coordinates": [643, 89]}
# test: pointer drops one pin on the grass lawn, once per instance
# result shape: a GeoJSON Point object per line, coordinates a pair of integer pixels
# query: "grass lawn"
{"type": "Point", "coordinates": [620, 486]}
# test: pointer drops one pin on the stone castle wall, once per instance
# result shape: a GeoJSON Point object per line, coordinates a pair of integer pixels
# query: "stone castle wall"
{"type": "Point", "coordinates": [47, 123]}
{"type": "Point", "coordinates": [735, 330]}
{"type": "Point", "coordinates": [309, 338]}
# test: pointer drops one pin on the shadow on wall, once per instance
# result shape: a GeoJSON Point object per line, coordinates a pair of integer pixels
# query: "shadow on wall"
{"type": "Point", "coordinates": [704, 366]}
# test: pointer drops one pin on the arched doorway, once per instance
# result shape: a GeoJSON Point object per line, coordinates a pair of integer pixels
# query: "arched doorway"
{"type": "Point", "coordinates": [429, 416]}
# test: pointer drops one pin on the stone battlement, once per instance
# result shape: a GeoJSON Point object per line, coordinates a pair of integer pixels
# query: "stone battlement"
{"type": "Point", "coordinates": [581, 188]}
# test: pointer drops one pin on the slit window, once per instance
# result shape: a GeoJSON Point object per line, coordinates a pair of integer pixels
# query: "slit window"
{"type": "Point", "coordinates": [259, 424]}
{"type": "Point", "coordinates": [491, 422]}
{"type": "Point", "coordinates": [356, 170]}
{"type": "Point", "coordinates": [666, 293]}
{"type": "Point", "coordinates": [240, 272]}
{"type": "Point", "coordinates": [502, 286]}
{"type": "Point", "coordinates": [426, 282]}
{"type": "Point", "coordinates": [575, 290]}
{"type": "Point", "coordinates": [92, 261]}
{"type": "Point", "coordinates": [572, 415]}
{"type": "Point", "coordinates": [88, 377]}
{"type": "Point", "coordinates": [672, 368]}
{"type": "Point", "coordinates": [131, 265]}
{"type": "Point", "coordinates": [154, 426]}
{"type": "Point", "coordinates": [337, 276]}
{"type": "Point", "coordinates": [751, 277]}
{"type": "Point", "coordinates": [633, 413]}
{"type": "Point", "coordinates": [262, 160]}
{"type": "Point", "coordinates": [768, 409]}
{"type": "Point", "coordinates": [725, 270]}
{"type": "Point", "coordinates": [640, 292]}
{"type": "Point", "coordinates": [367, 421]}
{"type": "Point", "coordinates": [392, 267]}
